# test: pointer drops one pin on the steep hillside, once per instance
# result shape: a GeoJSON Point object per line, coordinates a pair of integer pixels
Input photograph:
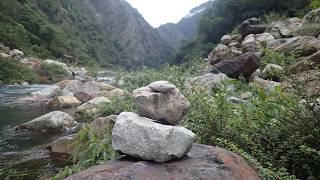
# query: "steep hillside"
{"type": "Point", "coordinates": [109, 32]}
{"type": "Point", "coordinates": [224, 15]}
{"type": "Point", "coordinates": [186, 29]}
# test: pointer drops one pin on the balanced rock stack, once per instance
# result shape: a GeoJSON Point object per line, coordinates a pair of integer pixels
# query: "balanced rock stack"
{"type": "Point", "coordinates": [151, 134]}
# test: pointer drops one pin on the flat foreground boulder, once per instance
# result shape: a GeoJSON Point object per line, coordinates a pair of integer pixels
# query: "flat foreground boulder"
{"type": "Point", "coordinates": [203, 162]}
{"type": "Point", "coordinates": [144, 139]}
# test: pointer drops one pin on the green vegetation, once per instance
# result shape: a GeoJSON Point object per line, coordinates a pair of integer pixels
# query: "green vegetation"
{"type": "Point", "coordinates": [224, 15]}
{"type": "Point", "coordinates": [45, 29]}
{"type": "Point", "coordinates": [276, 133]}
{"type": "Point", "coordinates": [11, 71]}
{"type": "Point", "coordinates": [90, 150]}
{"type": "Point", "coordinates": [315, 4]}
{"type": "Point", "coordinates": [54, 72]}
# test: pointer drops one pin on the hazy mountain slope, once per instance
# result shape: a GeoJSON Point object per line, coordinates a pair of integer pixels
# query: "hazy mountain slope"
{"type": "Point", "coordinates": [109, 32]}
{"type": "Point", "coordinates": [186, 29]}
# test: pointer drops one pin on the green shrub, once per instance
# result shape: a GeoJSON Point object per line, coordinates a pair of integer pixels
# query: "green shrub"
{"type": "Point", "coordinates": [90, 150]}
{"type": "Point", "coordinates": [315, 4]}
{"type": "Point", "coordinates": [54, 72]}
{"type": "Point", "coordinates": [12, 71]}
{"type": "Point", "coordinates": [275, 133]}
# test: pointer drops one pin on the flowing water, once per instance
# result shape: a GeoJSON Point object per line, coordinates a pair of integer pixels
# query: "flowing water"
{"type": "Point", "coordinates": [20, 150]}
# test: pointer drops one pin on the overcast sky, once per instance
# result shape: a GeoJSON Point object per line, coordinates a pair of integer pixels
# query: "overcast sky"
{"type": "Point", "coordinates": [158, 12]}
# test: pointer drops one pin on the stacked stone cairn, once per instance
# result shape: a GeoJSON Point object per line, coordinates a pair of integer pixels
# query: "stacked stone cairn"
{"type": "Point", "coordinates": [153, 133]}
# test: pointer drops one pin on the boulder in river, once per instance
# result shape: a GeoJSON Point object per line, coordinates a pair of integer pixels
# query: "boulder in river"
{"type": "Point", "coordinates": [101, 128]}
{"type": "Point", "coordinates": [203, 162]}
{"type": "Point", "coordinates": [64, 102]}
{"type": "Point", "coordinates": [52, 122]}
{"type": "Point", "coordinates": [167, 107]}
{"type": "Point", "coordinates": [143, 138]}
{"type": "Point", "coordinates": [50, 91]}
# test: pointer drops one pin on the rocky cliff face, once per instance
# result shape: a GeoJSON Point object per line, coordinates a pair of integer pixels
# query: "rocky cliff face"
{"type": "Point", "coordinates": [109, 32]}
{"type": "Point", "coordinates": [186, 29]}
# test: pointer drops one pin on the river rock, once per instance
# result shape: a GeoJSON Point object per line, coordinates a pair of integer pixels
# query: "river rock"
{"type": "Point", "coordinates": [111, 95]}
{"type": "Point", "coordinates": [298, 46]}
{"type": "Point", "coordinates": [162, 86]}
{"type": "Point", "coordinates": [55, 121]}
{"type": "Point", "coordinates": [74, 86]}
{"type": "Point", "coordinates": [101, 128]}
{"type": "Point", "coordinates": [49, 91]}
{"type": "Point", "coordinates": [64, 102]}
{"type": "Point", "coordinates": [168, 107]}
{"type": "Point", "coordinates": [251, 26]}
{"type": "Point", "coordinates": [242, 65]}
{"type": "Point", "coordinates": [64, 145]}
{"type": "Point", "coordinates": [203, 162]}
{"type": "Point", "coordinates": [83, 97]}
{"type": "Point", "coordinates": [142, 138]}
{"type": "Point", "coordinates": [207, 83]}
{"type": "Point", "coordinates": [92, 109]}
{"type": "Point", "coordinates": [272, 71]}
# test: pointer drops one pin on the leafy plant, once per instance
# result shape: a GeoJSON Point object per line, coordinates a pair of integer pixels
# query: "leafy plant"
{"type": "Point", "coordinates": [12, 71]}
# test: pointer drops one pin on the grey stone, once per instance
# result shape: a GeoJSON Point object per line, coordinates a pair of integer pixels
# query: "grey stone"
{"type": "Point", "coordinates": [55, 121]}
{"type": "Point", "coordinates": [91, 109]}
{"type": "Point", "coordinates": [162, 86]}
{"type": "Point", "coordinates": [207, 83]}
{"type": "Point", "coordinates": [142, 138]}
{"type": "Point", "coordinates": [165, 107]}
{"type": "Point", "coordinates": [272, 71]}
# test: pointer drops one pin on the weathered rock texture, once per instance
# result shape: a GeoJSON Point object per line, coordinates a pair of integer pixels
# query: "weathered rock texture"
{"type": "Point", "coordinates": [145, 139]}
{"type": "Point", "coordinates": [203, 162]}
{"type": "Point", "coordinates": [169, 107]}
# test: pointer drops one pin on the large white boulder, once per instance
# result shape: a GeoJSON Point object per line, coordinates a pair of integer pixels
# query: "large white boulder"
{"type": "Point", "coordinates": [167, 107]}
{"type": "Point", "coordinates": [142, 138]}
{"type": "Point", "coordinates": [55, 121]}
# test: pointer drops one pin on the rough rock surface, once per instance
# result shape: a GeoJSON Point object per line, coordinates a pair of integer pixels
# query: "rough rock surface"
{"type": "Point", "coordinates": [284, 28]}
{"type": "Point", "coordinates": [91, 109]}
{"type": "Point", "coordinates": [242, 65]}
{"type": "Point", "coordinates": [251, 26]}
{"type": "Point", "coordinates": [162, 86]}
{"type": "Point", "coordinates": [257, 42]}
{"type": "Point", "coordinates": [310, 25]}
{"type": "Point", "coordinates": [203, 162]}
{"type": "Point", "coordinates": [101, 127]}
{"type": "Point", "coordinates": [298, 46]}
{"type": "Point", "coordinates": [64, 102]}
{"type": "Point", "coordinates": [165, 107]}
{"type": "Point", "coordinates": [145, 139]}
{"type": "Point", "coordinates": [272, 71]}
{"type": "Point", "coordinates": [266, 84]}
{"type": "Point", "coordinates": [207, 83]}
{"type": "Point", "coordinates": [49, 91]}
{"type": "Point", "coordinates": [55, 121]}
